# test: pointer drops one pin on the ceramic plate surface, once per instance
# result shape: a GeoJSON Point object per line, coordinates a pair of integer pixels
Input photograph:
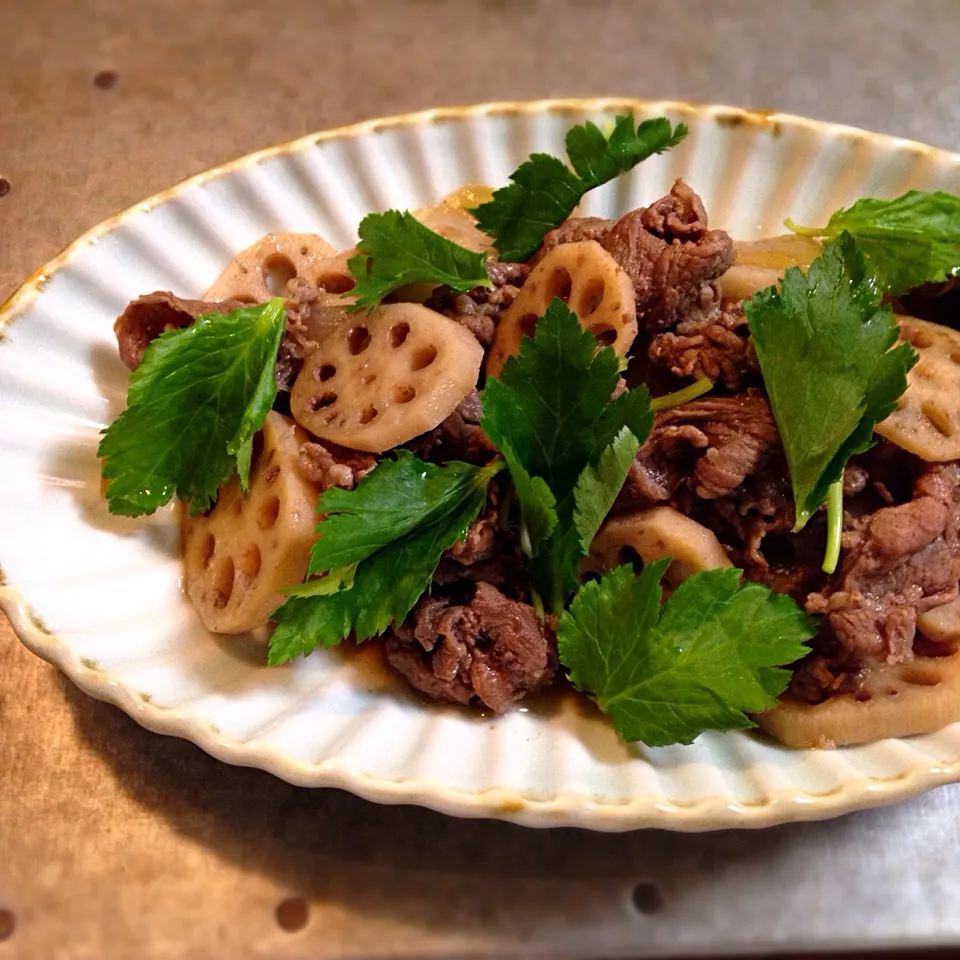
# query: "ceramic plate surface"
{"type": "Point", "coordinates": [100, 597]}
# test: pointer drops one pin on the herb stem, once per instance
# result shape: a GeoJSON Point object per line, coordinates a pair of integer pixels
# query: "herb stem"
{"type": "Point", "coordinates": [696, 389]}
{"type": "Point", "coordinates": [834, 525]}
{"type": "Point", "coordinates": [803, 231]}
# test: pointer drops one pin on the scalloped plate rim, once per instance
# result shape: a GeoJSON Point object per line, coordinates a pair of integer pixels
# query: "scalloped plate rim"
{"type": "Point", "coordinates": [566, 809]}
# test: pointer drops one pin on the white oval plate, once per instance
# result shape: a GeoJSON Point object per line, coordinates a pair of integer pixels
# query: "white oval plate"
{"type": "Point", "coordinates": [100, 597]}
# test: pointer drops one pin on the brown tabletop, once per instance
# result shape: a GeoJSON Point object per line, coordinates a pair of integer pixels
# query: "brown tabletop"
{"type": "Point", "coordinates": [118, 843]}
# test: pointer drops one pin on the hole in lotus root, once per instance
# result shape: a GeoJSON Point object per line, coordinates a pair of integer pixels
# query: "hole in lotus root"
{"type": "Point", "coordinates": [369, 415]}
{"type": "Point", "coordinates": [592, 296]}
{"type": "Point", "coordinates": [647, 898]}
{"type": "Point", "coordinates": [528, 323]}
{"type": "Point", "coordinates": [223, 583]}
{"type": "Point", "coordinates": [256, 452]}
{"type": "Point", "coordinates": [336, 282]}
{"type": "Point", "coordinates": [424, 357]}
{"type": "Point", "coordinates": [358, 339]}
{"type": "Point", "coordinates": [628, 554]}
{"type": "Point", "coordinates": [863, 696]}
{"type": "Point", "coordinates": [325, 372]}
{"type": "Point", "coordinates": [207, 546]}
{"type": "Point", "coordinates": [605, 336]}
{"type": "Point", "coordinates": [920, 676]}
{"type": "Point", "coordinates": [268, 513]}
{"type": "Point", "coordinates": [368, 378]}
{"type": "Point", "coordinates": [398, 334]}
{"type": "Point", "coordinates": [560, 284]}
{"type": "Point", "coordinates": [292, 914]}
{"type": "Point", "coordinates": [244, 298]}
{"type": "Point", "coordinates": [278, 271]}
{"type": "Point", "coordinates": [955, 358]}
{"type": "Point", "coordinates": [251, 561]}
{"type": "Point", "coordinates": [322, 400]}
{"type": "Point", "coordinates": [404, 394]}
{"type": "Point", "coordinates": [939, 417]}
{"type": "Point", "coordinates": [919, 338]}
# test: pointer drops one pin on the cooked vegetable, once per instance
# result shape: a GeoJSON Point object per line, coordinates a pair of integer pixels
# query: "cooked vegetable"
{"type": "Point", "coordinates": [926, 420]}
{"type": "Point", "coordinates": [238, 558]}
{"type": "Point", "coordinates": [895, 700]}
{"type": "Point", "coordinates": [592, 285]}
{"type": "Point", "coordinates": [379, 380]}
{"type": "Point", "coordinates": [263, 270]}
{"type": "Point", "coordinates": [655, 533]}
{"type": "Point", "coordinates": [761, 263]}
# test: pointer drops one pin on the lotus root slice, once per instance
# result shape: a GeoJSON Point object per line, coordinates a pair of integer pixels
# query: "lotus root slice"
{"type": "Point", "coordinates": [239, 555]}
{"type": "Point", "coordinates": [927, 419]}
{"type": "Point", "coordinates": [589, 281]}
{"type": "Point", "coordinates": [762, 263]}
{"type": "Point", "coordinates": [264, 271]}
{"type": "Point", "coordinates": [896, 700]}
{"type": "Point", "coordinates": [385, 377]}
{"type": "Point", "coordinates": [653, 534]}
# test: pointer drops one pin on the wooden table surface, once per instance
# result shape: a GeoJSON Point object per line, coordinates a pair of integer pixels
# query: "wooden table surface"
{"type": "Point", "coordinates": [118, 843]}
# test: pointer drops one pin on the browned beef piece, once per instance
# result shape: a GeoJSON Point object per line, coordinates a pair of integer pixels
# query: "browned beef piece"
{"type": "Point", "coordinates": [897, 562]}
{"type": "Point", "coordinates": [459, 437]}
{"type": "Point", "coordinates": [573, 231]}
{"type": "Point", "coordinates": [822, 675]}
{"type": "Point", "coordinates": [717, 346]}
{"type": "Point", "coordinates": [289, 362]}
{"type": "Point", "coordinates": [147, 317]}
{"type": "Point", "coordinates": [330, 465]}
{"type": "Point", "coordinates": [487, 553]}
{"type": "Point", "coordinates": [672, 259]}
{"type": "Point", "coordinates": [507, 273]}
{"type": "Point", "coordinates": [493, 649]}
{"type": "Point", "coordinates": [479, 544]}
{"type": "Point", "coordinates": [309, 311]}
{"type": "Point", "coordinates": [710, 445]}
{"type": "Point", "coordinates": [480, 309]}
{"type": "Point", "coordinates": [936, 302]}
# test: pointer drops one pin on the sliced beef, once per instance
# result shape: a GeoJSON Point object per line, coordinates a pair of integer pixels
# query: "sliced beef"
{"type": "Point", "coordinates": [573, 231]}
{"type": "Point", "coordinates": [711, 446]}
{"type": "Point", "coordinates": [312, 312]}
{"type": "Point", "coordinates": [507, 273]}
{"type": "Point", "coordinates": [459, 437]}
{"type": "Point", "coordinates": [670, 255]}
{"type": "Point", "coordinates": [897, 562]}
{"type": "Point", "coordinates": [716, 345]}
{"type": "Point", "coordinates": [147, 317]}
{"type": "Point", "coordinates": [480, 309]}
{"type": "Point", "coordinates": [488, 553]}
{"type": "Point", "coordinates": [936, 302]}
{"type": "Point", "coordinates": [329, 465]}
{"type": "Point", "coordinates": [493, 649]}
{"type": "Point", "coordinates": [672, 259]}
{"type": "Point", "coordinates": [479, 544]}
{"type": "Point", "coordinates": [825, 674]}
